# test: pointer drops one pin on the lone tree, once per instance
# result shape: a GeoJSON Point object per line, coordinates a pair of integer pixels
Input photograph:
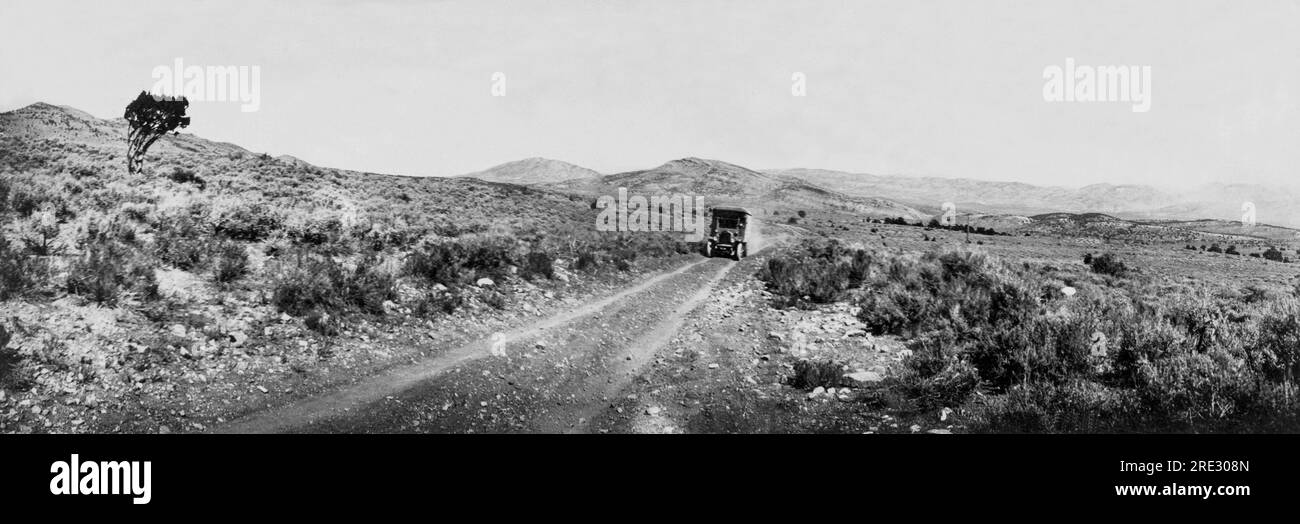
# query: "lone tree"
{"type": "Point", "coordinates": [151, 117]}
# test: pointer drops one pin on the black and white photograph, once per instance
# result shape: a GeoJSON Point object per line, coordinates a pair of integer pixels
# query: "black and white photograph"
{"type": "Point", "coordinates": [911, 224]}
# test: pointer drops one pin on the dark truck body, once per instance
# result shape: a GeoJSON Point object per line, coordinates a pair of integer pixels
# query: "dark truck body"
{"type": "Point", "coordinates": [727, 227]}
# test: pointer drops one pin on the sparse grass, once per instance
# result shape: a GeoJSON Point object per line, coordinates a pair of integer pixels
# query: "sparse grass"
{"type": "Point", "coordinates": [586, 261]}
{"type": "Point", "coordinates": [9, 357]}
{"type": "Point", "coordinates": [1107, 264]}
{"type": "Point", "coordinates": [438, 301]}
{"type": "Point", "coordinates": [1122, 355]}
{"type": "Point", "coordinates": [247, 221]}
{"type": "Point", "coordinates": [107, 268]}
{"type": "Point", "coordinates": [182, 175]}
{"type": "Point", "coordinates": [182, 242]}
{"type": "Point", "coordinates": [312, 284]}
{"type": "Point", "coordinates": [809, 374]}
{"type": "Point", "coordinates": [460, 262]}
{"type": "Point", "coordinates": [539, 264]}
{"type": "Point", "coordinates": [19, 272]}
{"type": "Point", "coordinates": [230, 262]}
{"type": "Point", "coordinates": [819, 275]}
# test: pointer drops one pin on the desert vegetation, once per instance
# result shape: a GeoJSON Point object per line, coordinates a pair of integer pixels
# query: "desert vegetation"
{"type": "Point", "coordinates": [935, 224]}
{"type": "Point", "coordinates": [217, 269]}
{"type": "Point", "coordinates": [210, 250]}
{"type": "Point", "coordinates": [1001, 340]}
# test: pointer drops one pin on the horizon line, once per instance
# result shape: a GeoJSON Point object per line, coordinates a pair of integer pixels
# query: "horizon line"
{"type": "Point", "coordinates": [765, 170]}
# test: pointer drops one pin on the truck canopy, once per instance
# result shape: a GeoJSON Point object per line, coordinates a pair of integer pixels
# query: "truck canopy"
{"type": "Point", "coordinates": [729, 211]}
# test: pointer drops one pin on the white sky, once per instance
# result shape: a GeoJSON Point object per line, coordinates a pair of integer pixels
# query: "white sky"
{"type": "Point", "coordinates": [944, 88]}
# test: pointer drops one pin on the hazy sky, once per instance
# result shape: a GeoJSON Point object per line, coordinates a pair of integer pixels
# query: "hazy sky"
{"type": "Point", "coordinates": [945, 88]}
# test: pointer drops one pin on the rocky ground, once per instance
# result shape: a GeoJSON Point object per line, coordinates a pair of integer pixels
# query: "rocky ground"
{"type": "Point", "coordinates": [698, 350]}
{"type": "Point", "coordinates": [203, 358]}
{"type": "Point", "coordinates": [728, 371]}
{"type": "Point", "coordinates": [682, 345]}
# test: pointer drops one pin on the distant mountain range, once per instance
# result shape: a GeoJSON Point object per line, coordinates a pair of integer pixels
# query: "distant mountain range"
{"type": "Point", "coordinates": [1274, 204]}
{"type": "Point", "coordinates": [724, 183]}
{"type": "Point", "coordinates": [916, 197]}
{"type": "Point", "coordinates": [1212, 208]}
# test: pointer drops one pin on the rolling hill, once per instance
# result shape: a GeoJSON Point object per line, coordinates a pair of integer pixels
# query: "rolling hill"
{"type": "Point", "coordinates": [1130, 201]}
{"type": "Point", "coordinates": [50, 149]}
{"type": "Point", "coordinates": [44, 139]}
{"type": "Point", "coordinates": [724, 183]}
{"type": "Point", "coordinates": [534, 171]}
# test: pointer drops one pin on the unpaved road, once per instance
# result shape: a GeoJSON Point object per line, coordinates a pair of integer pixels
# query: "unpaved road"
{"type": "Point", "coordinates": [556, 375]}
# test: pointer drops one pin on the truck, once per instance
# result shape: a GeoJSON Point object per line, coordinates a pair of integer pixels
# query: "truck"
{"type": "Point", "coordinates": [727, 233]}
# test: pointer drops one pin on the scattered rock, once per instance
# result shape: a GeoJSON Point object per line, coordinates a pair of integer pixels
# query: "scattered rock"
{"type": "Point", "coordinates": [939, 431]}
{"type": "Point", "coordinates": [238, 338]}
{"type": "Point", "coordinates": [816, 392]}
{"type": "Point", "coordinates": [1097, 344]}
{"type": "Point", "coordinates": [775, 336]}
{"type": "Point", "coordinates": [498, 344]}
{"type": "Point", "coordinates": [178, 330]}
{"type": "Point", "coordinates": [713, 365]}
{"type": "Point", "coordinates": [914, 428]}
{"type": "Point", "coordinates": [653, 411]}
{"type": "Point", "coordinates": [1068, 291]}
{"type": "Point", "coordinates": [865, 377]}
{"type": "Point", "coordinates": [943, 414]}
{"type": "Point", "coordinates": [484, 282]}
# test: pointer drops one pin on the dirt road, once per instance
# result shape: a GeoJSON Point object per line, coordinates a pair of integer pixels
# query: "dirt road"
{"type": "Point", "coordinates": [553, 376]}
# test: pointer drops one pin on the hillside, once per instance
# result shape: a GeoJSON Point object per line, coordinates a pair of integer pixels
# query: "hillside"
{"type": "Point", "coordinates": [534, 171]}
{"type": "Point", "coordinates": [724, 183]}
{"type": "Point", "coordinates": [1100, 226]}
{"type": "Point", "coordinates": [157, 302]}
{"type": "Point", "coordinates": [44, 144]}
{"type": "Point", "coordinates": [1234, 228]}
{"type": "Point", "coordinates": [1130, 201]}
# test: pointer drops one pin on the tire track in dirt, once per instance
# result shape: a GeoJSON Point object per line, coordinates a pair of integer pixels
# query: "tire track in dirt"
{"type": "Point", "coordinates": [625, 365]}
{"type": "Point", "coordinates": [560, 373]}
{"type": "Point", "coordinates": [397, 380]}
